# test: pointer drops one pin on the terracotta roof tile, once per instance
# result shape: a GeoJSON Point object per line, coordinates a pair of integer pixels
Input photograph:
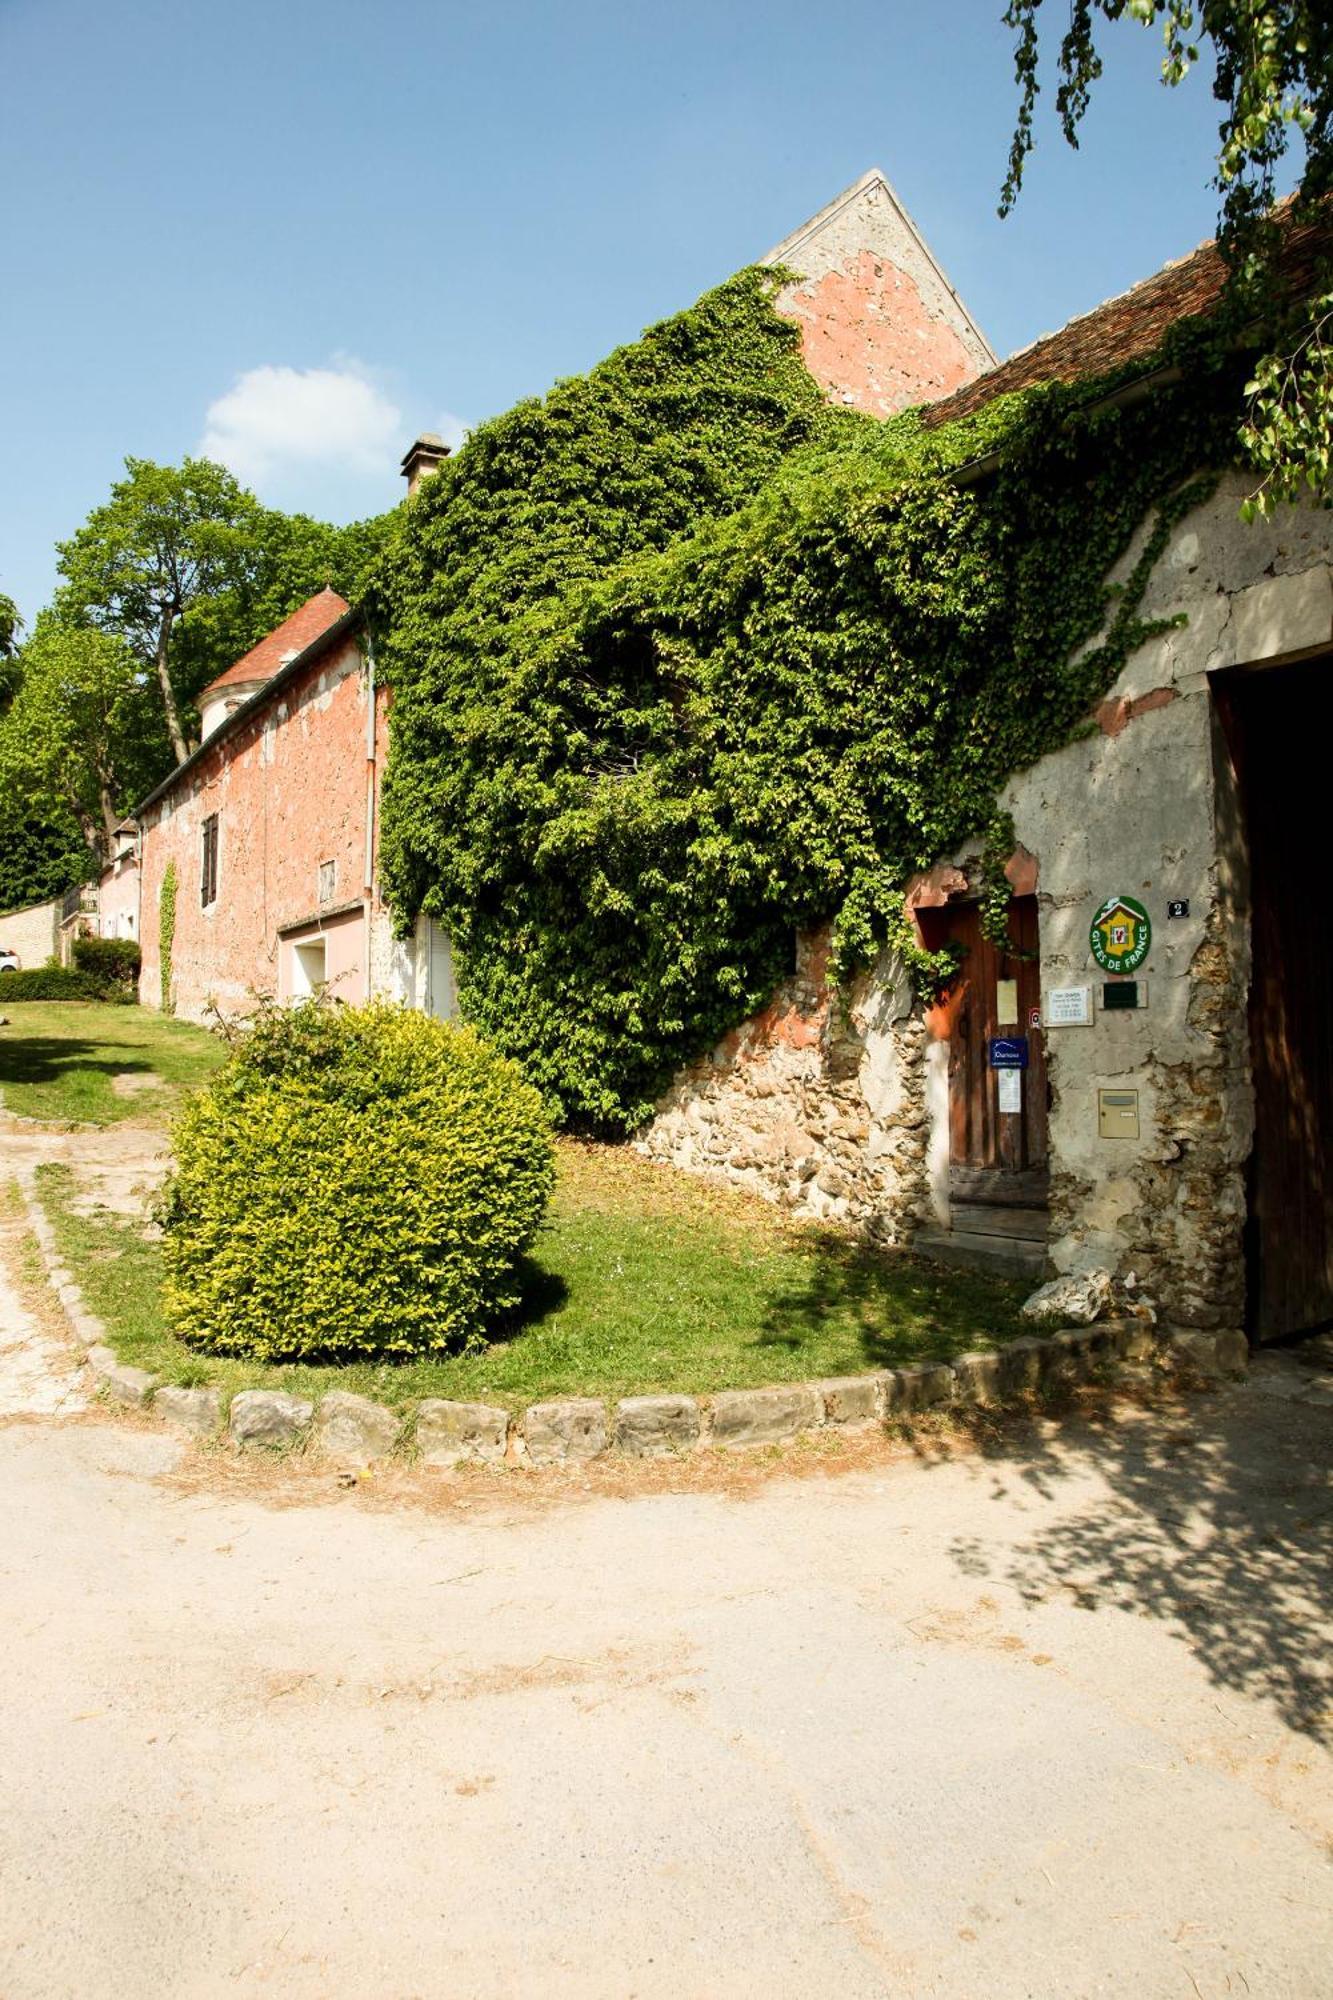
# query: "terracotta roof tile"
{"type": "Point", "coordinates": [306, 624]}
{"type": "Point", "coordinates": [1128, 328]}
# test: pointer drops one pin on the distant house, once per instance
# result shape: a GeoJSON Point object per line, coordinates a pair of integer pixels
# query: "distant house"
{"type": "Point", "coordinates": [272, 827]}
{"type": "Point", "coordinates": [118, 899]}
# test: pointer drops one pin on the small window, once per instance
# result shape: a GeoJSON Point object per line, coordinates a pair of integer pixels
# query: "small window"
{"type": "Point", "coordinates": [328, 880]}
{"type": "Point", "coordinates": [309, 968]}
{"type": "Point", "coordinates": [208, 869]}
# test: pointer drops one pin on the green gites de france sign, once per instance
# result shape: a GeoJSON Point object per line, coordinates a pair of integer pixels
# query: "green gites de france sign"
{"type": "Point", "coordinates": [1121, 935]}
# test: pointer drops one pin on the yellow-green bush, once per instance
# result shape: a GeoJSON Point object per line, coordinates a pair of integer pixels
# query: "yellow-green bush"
{"type": "Point", "coordinates": [353, 1182]}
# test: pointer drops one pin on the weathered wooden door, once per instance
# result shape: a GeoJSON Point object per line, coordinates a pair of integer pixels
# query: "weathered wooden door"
{"type": "Point", "coordinates": [1280, 725]}
{"type": "Point", "coordinates": [982, 1137]}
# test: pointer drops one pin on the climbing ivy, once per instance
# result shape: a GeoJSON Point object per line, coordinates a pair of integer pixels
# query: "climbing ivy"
{"type": "Point", "coordinates": [683, 659]}
{"type": "Point", "coordinates": [166, 931]}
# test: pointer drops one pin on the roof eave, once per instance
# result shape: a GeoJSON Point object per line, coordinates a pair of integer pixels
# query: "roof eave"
{"type": "Point", "coordinates": [350, 619]}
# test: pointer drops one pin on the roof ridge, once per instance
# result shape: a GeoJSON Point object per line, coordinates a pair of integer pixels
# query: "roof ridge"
{"type": "Point", "coordinates": [1131, 325]}
{"type": "Point", "coordinates": [876, 177]}
{"type": "Point", "coordinates": [269, 644]}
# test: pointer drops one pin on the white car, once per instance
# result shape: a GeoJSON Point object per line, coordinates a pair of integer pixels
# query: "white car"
{"type": "Point", "coordinates": [8, 959]}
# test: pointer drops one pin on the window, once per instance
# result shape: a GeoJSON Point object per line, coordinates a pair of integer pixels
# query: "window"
{"type": "Point", "coordinates": [208, 869]}
{"type": "Point", "coordinates": [309, 968]}
{"type": "Point", "coordinates": [328, 880]}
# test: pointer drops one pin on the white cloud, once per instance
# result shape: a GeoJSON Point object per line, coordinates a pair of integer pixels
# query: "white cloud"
{"type": "Point", "coordinates": [277, 422]}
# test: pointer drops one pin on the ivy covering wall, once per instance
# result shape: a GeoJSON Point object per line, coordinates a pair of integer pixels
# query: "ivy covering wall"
{"type": "Point", "coordinates": [684, 659]}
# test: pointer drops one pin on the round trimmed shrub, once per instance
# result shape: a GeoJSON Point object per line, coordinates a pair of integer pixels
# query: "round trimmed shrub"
{"type": "Point", "coordinates": [354, 1182]}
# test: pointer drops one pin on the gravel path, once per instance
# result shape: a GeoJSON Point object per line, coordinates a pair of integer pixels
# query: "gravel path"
{"type": "Point", "coordinates": [1045, 1719]}
{"type": "Point", "coordinates": [1043, 1716]}
{"type": "Point", "coordinates": [118, 1166]}
{"type": "Point", "coordinates": [39, 1372]}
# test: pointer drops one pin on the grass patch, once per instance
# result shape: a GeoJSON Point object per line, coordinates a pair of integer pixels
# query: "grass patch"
{"type": "Point", "coordinates": [642, 1280]}
{"type": "Point", "coordinates": [58, 1060]}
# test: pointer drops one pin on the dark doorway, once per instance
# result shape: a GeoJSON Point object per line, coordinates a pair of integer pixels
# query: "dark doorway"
{"type": "Point", "coordinates": [982, 1137]}
{"type": "Point", "coordinates": [998, 1175]}
{"type": "Point", "coordinates": [1279, 726]}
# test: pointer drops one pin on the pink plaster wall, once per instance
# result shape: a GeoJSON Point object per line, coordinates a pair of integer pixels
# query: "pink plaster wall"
{"type": "Point", "coordinates": [118, 899]}
{"type": "Point", "coordinates": [289, 787]}
{"type": "Point", "coordinates": [346, 971]}
{"type": "Point", "coordinates": [869, 339]}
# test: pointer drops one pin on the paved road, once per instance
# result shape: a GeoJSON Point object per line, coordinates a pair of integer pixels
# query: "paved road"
{"type": "Point", "coordinates": [1045, 1718]}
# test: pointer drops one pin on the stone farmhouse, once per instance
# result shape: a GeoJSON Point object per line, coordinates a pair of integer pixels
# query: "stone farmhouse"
{"type": "Point", "coordinates": [1142, 1083]}
{"type": "Point", "coordinates": [1151, 1097]}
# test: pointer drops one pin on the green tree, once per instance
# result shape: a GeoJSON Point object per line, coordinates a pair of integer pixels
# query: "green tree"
{"type": "Point", "coordinates": [9, 644]}
{"type": "Point", "coordinates": [168, 536]}
{"type": "Point", "coordinates": [42, 852]}
{"type": "Point", "coordinates": [9, 627]}
{"type": "Point", "coordinates": [187, 567]}
{"type": "Point", "coordinates": [79, 733]}
{"type": "Point", "coordinates": [290, 557]}
{"type": "Point", "coordinates": [167, 583]}
{"type": "Point", "coordinates": [1273, 76]}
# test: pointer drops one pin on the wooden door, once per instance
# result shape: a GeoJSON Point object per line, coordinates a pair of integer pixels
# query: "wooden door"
{"type": "Point", "coordinates": [1279, 722]}
{"type": "Point", "coordinates": [981, 1136]}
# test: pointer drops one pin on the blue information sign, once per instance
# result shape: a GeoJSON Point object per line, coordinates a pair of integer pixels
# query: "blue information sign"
{"type": "Point", "coordinates": [1008, 1051]}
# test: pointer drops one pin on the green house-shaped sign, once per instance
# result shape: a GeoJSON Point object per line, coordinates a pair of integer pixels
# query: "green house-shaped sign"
{"type": "Point", "coordinates": [1121, 935]}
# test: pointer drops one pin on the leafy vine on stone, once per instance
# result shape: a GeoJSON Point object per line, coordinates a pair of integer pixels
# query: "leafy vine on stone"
{"type": "Point", "coordinates": [166, 923]}
{"type": "Point", "coordinates": [684, 660]}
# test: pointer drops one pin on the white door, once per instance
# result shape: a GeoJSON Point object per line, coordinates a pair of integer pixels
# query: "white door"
{"type": "Point", "coordinates": [440, 997]}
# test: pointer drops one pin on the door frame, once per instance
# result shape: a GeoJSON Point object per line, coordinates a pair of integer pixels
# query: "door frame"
{"type": "Point", "coordinates": [988, 1128]}
{"type": "Point", "coordinates": [1228, 688]}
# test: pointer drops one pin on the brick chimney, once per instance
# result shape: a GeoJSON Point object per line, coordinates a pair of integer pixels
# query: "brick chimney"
{"type": "Point", "coordinates": [427, 455]}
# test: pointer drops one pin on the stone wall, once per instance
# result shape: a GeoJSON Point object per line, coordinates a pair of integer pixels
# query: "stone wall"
{"type": "Point", "coordinates": [819, 1103]}
{"type": "Point", "coordinates": [32, 934]}
{"type": "Point", "coordinates": [1145, 807]}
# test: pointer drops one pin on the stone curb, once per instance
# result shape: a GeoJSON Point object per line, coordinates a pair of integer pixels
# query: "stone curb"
{"type": "Point", "coordinates": [353, 1431]}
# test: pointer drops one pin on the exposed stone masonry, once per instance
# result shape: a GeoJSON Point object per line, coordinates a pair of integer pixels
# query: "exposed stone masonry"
{"type": "Point", "coordinates": [1187, 1232]}
{"type": "Point", "coordinates": [818, 1103]}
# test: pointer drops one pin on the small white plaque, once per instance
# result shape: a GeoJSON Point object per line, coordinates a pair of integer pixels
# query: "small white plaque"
{"type": "Point", "coordinates": [1011, 1089]}
{"type": "Point", "coordinates": [1069, 1007]}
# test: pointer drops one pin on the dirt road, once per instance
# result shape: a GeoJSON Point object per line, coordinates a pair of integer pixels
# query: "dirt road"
{"type": "Point", "coordinates": [1049, 1718]}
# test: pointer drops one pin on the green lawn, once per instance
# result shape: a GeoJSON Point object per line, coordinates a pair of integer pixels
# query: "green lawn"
{"type": "Point", "coordinates": [642, 1280]}
{"type": "Point", "coordinates": [58, 1059]}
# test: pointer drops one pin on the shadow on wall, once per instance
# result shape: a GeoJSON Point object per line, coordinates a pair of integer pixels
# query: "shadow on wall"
{"type": "Point", "coordinates": [1220, 1528]}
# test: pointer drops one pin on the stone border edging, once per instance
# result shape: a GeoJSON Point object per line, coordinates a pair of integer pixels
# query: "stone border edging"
{"type": "Point", "coordinates": [438, 1433]}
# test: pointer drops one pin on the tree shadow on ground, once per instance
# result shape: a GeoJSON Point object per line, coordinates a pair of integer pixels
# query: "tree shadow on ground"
{"type": "Point", "coordinates": [47, 1058]}
{"type": "Point", "coordinates": [905, 1308]}
{"type": "Point", "coordinates": [1219, 1524]}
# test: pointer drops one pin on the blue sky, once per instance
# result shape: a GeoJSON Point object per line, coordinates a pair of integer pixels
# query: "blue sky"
{"type": "Point", "coordinates": [304, 232]}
